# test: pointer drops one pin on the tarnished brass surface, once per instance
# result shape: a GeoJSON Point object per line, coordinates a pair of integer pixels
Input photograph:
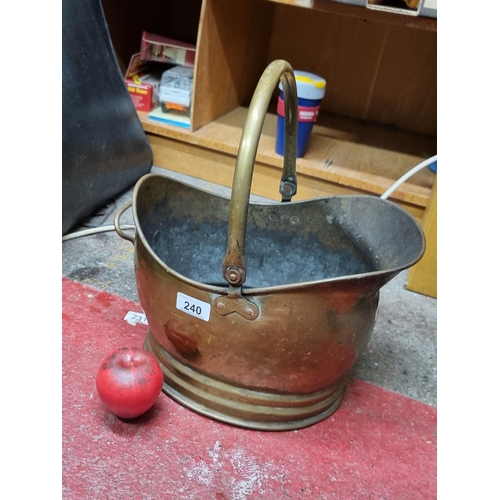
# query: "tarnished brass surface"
{"type": "Point", "coordinates": [233, 267]}
{"type": "Point", "coordinates": [276, 353]}
{"type": "Point", "coordinates": [243, 406]}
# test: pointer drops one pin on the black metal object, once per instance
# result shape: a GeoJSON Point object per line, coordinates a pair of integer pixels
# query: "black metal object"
{"type": "Point", "coordinates": [104, 148]}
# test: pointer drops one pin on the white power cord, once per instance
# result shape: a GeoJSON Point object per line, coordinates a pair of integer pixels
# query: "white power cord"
{"type": "Point", "coordinates": [408, 174]}
{"type": "Point", "coordinates": [384, 196]}
{"type": "Point", "coordinates": [94, 230]}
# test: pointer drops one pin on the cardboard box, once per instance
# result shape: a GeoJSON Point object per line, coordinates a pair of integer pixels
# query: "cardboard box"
{"type": "Point", "coordinates": [407, 7]}
{"type": "Point", "coordinates": [427, 8]}
{"type": "Point", "coordinates": [167, 50]}
{"type": "Point", "coordinates": [142, 84]}
{"type": "Point", "coordinates": [176, 90]}
{"type": "Point", "coordinates": [424, 8]}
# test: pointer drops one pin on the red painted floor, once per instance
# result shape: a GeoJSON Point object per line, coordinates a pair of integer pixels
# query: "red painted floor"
{"type": "Point", "coordinates": [377, 445]}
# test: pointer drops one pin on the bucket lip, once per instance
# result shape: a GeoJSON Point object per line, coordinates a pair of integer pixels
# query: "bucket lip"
{"type": "Point", "coordinates": [275, 288]}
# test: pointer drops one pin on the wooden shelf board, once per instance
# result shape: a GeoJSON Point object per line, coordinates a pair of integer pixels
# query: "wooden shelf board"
{"type": "Point", "coordinates": [422, 277]}
{"type": "Point", "coordinates": [341, 150]}
{"type": "Point", "coordinates": [363, 13]}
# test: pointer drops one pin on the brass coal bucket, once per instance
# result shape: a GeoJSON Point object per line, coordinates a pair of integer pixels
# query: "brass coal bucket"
{"type": "Point", "coordinates": [269, 342]}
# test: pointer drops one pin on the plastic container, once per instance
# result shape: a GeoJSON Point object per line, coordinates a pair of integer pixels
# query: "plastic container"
{"type": "Point", "coordinates": [176, 89]}
{"type": "Point", "coordinates": [310, 91]}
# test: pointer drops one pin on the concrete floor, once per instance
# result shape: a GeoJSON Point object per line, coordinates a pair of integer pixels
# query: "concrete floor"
{"type": "Point", "coordinates": [401, 355]}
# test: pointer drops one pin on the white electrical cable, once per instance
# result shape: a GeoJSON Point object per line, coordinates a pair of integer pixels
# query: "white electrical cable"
{"type": "Point", "coordinates": [94, 230]}
{"type": "Point", "coordinates": [408, 174]}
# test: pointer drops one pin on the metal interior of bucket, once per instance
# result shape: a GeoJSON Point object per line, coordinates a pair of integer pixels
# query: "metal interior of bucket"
{"type": "Point", "coordinates": [297, 242]}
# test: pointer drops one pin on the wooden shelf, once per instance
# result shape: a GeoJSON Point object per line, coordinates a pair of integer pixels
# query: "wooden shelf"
{"type": "Point", "coordinates": [363, 13]}
{"type": "Point", "coordinates": [381, 70]}
{"type": "Point", "coordinates": [422, 278]}
{"type": "Point", "coordinates": [354, 156]}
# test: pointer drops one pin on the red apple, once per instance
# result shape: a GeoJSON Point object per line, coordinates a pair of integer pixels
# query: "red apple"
{"type": "Point", "coordinates": [129, 381]}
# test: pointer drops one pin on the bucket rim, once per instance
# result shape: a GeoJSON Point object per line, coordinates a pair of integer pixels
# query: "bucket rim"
{"type": "Point", "coordinates": [254, 291]}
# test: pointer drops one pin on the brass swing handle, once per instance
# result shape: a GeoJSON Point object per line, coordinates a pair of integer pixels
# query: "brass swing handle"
{"type": "Point", "coordinates": [118, 227]}
{"type": "Point", "coordinates": [234, 267]}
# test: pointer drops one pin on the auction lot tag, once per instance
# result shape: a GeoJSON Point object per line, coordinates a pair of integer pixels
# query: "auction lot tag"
{"type": "Point", "coordinates": [132, 318]}
{"type": "Point", "coordinates": [193, 306]}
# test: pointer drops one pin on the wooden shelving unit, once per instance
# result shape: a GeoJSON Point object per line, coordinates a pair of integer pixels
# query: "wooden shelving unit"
{"type": "Point", "coordinates": [341, 159]}
{"type": "Point", "coordinates": [377, 120]}
{"type": "Point", "coordinates": [358, 12]}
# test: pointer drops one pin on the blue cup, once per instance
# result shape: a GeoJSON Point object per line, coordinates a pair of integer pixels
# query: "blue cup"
{"type": "Point", "coordinates": [310, 92]}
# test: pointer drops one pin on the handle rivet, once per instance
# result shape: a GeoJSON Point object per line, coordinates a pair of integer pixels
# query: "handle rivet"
{"type": "Point", "coordinates": [233, 276]}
